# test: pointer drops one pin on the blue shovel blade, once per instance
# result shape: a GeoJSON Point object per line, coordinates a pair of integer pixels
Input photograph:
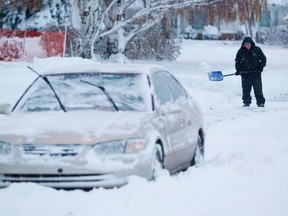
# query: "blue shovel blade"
{"type": "Point", "coordinates": [215, 76]}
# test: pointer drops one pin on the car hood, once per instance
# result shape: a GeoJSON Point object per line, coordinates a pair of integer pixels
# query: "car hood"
{"type": "Point", "coordinates": [71, 127]}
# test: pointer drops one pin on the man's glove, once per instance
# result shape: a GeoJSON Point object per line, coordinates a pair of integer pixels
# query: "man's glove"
{"type": "Point", "coordinates": [260, 69]}
{"type": "Point", "coordinates": [237, 73]}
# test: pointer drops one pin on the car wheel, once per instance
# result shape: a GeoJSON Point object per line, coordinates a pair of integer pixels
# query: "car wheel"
{"type": "Point", "coordinates": [158, 166]}
{"type": "Point", "coordinates": [198, 157]}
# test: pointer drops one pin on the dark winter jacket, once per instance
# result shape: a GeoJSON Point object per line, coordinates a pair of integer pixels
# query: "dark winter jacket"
{"type": "Point", "coordinates": [249, 61]}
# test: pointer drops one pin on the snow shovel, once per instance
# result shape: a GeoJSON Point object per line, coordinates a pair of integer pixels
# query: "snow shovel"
{"type": "Point", "coordinates": [217, 75]}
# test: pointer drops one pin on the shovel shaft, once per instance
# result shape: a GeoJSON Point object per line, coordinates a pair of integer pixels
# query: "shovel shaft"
{"type": "Point", "coordinates": [229, 74]}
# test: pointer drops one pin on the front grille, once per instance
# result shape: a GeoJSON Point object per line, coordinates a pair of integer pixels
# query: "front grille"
{"type": "Point", "coordinates": [65, 181]}
{"type": "Point", "coordinates": [49, 177]}
{"type": "Point", "coordinates": [59, 150]}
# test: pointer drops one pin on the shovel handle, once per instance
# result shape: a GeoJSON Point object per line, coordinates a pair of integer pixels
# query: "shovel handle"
{"type": "Point", "coordinates": [229, 74]}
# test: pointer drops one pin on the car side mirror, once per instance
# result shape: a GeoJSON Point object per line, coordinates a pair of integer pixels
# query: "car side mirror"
{"type": "Point", "coordinates": [5, 108]}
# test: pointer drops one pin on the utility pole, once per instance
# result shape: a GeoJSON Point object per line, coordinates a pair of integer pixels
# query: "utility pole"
{"type": "Point", "coordinates": [67, 10]}
{"type": "Point", "coordinates": [24, 39]}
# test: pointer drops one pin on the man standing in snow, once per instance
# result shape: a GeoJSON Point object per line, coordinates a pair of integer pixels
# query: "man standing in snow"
{"type": "Point", "coordinates": [249, 63]}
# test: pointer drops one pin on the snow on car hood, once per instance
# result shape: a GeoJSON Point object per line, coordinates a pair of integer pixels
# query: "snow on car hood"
{"type": "Point", "coordinates": [87, 127]}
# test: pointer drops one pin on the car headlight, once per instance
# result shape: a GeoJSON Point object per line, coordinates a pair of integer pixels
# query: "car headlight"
{"type": "Point", "coordinates": [120, 147]}
{"type": "Point", "coordinates": [5, 148]}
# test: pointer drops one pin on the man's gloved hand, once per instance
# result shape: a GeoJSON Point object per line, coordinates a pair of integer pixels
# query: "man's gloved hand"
{"type": "Point", "coordinates": [237, 73]}
{"type": "Point", "coordinates": [260, 69]}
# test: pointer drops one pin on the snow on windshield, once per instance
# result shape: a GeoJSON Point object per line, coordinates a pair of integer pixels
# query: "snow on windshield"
{"type": "Point", "coordinates": [78, 91]}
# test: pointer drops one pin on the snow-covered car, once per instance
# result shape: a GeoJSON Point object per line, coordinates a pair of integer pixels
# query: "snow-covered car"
{"type": "Point", "coordinates": [189, 33]}
{"type": "Point", "coordinates": [94, 125]}
{"type": "Point", "coordinates": [211, 33]}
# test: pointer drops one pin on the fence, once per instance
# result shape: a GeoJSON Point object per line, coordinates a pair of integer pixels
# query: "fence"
{"type": "Point", "coordinates": [17, 45]}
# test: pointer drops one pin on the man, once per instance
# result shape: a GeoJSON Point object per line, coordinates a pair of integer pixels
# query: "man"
{"type": "Point", "coordinates": [249, 63]}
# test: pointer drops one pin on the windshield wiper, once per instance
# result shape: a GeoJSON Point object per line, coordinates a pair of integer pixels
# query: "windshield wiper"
{"type": "Point", "coordinates": [51, 87]}
{"type": "Point", "coordinates": [104, 91]}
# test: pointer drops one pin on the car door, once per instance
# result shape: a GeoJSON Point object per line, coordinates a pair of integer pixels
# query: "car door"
{"type": "Point", "coordinates": [184, 142]}
{"type": "Point", "coordinates": [172, 114]}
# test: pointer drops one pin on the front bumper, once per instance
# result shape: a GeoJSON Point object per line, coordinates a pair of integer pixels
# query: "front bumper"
{"type": "Point", "coordinates": [113, 172]}
{"type": "Point", "coordinates": [79, 169]}
{"type": "Point", "coordinates": [65, 181]}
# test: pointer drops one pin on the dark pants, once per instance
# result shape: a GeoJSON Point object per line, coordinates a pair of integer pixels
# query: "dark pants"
{"type": "Point", "coordinates": [252, 80]}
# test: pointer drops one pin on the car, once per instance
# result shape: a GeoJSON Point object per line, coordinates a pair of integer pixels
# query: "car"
{"type": "Point", "coordinates": [94, 125]}
{"type": "Point", "coordinates": [211, 33]}
{"type": "Point", "coordinates": [189, 33]}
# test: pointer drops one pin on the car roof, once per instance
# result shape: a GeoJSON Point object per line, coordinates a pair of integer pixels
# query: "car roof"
{"type": "Point", "coordinates": [86, 67]}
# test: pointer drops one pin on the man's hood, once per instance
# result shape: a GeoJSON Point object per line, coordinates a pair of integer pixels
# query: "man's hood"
{"type": "Point", "coordinates": [248, 40]}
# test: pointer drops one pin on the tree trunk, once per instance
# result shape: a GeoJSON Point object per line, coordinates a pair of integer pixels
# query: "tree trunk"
{"type": "Point", "coordinates": [112, 45]}
{"type": "Point", "coordinates": [86, 49]}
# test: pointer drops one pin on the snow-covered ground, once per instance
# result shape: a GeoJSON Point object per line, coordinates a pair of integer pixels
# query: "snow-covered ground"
{"type": "Point", "coordinates": [246, 168]}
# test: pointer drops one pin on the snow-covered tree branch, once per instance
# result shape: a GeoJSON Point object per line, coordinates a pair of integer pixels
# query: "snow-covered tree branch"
{"type": "Point", "coordinates": [121, 20]}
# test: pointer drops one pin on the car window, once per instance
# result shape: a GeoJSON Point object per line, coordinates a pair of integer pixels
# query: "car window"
{"type": "Point", "coordinates": [177, 90]}
{"type": "Point", "coordinates": [79, 91]}
{"type": "Point", "coordinates": [161, 89]}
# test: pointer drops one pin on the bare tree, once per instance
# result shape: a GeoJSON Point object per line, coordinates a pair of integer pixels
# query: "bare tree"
{"type": "Point", "coordinates": [15, 13]}
{"type": "Point", "coordinates": [248, 11]}
{"type": "Point", "coordinates": [22, 4]}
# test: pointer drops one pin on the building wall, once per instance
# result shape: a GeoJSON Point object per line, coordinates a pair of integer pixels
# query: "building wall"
{"type": "Point", "coordinates": [276, 15]}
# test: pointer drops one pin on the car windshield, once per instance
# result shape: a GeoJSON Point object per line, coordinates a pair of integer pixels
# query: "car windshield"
{"type": "Point", "coordinates": [83, 91]}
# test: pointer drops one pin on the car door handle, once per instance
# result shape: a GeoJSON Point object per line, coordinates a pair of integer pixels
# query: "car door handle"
{"type": "Point", "coordinates": [182, 123]}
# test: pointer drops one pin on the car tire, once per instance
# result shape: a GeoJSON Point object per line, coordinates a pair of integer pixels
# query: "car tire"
{"type": "Point", "coordinates": [158, 166]}
{"type": "Point", "coordinates": [199, 153]}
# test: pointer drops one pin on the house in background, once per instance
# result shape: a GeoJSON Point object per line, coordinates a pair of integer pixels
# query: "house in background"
{"type": "Point", "coordinates": [276, 14]}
